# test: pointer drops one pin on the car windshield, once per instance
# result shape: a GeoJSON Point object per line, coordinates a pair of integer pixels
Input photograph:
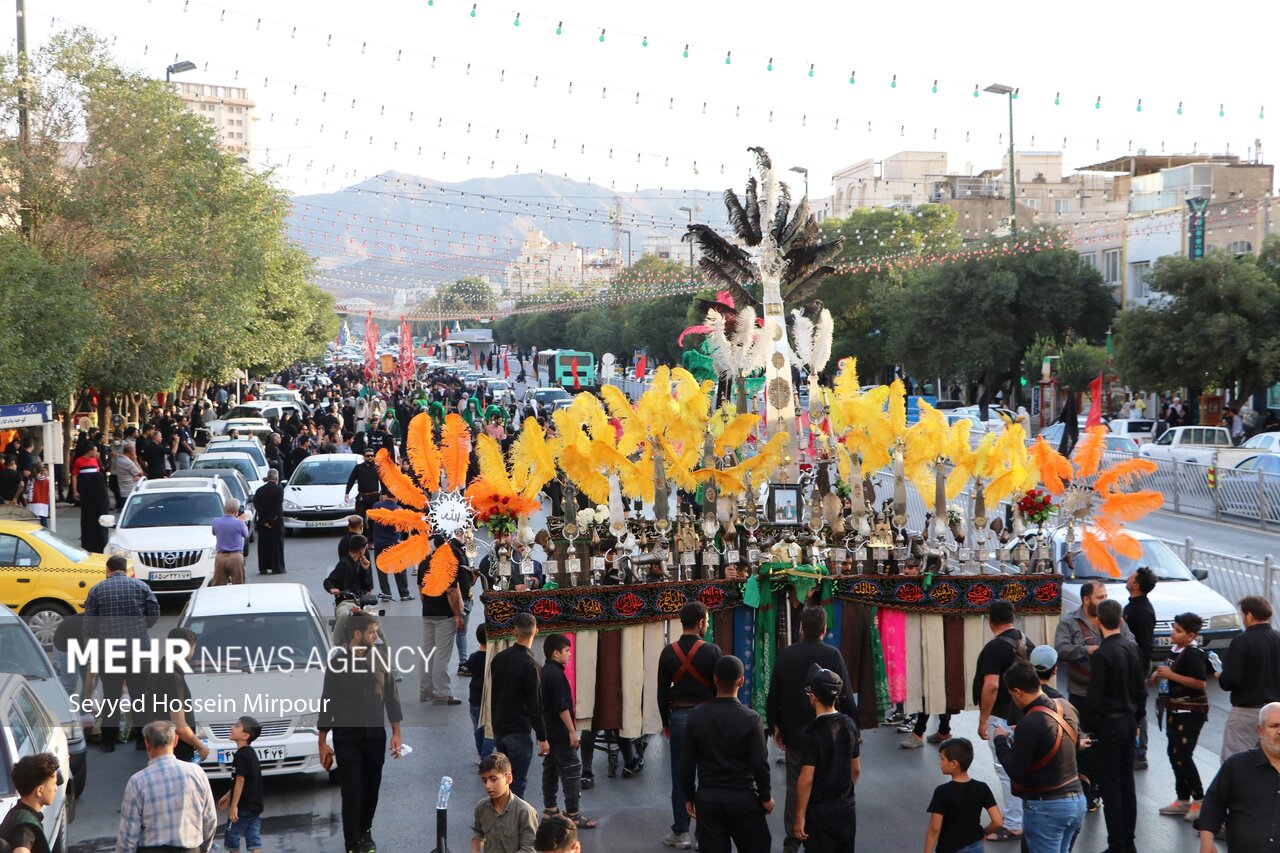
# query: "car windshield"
{"type": "Point", "coordinates": [171, 509]}
{"type": "Point", "coordinates": [20, 653]}
{"type": "Point", "coordinates": [1155, 555]}
{"type": "Point", "coordinates": [260, 642]}
{"type": "Point", "coordinates": [550, 395]}
{"type": "Point", "coordinates": [63, 547]}
{"type": "Point", "coordinates": [249, 449]}
{"type": "Point", "coordinates": [244, 466]}
{"type": "Point", "coordinates": [325, 473]}
{"type": "Point", "coordinates": [243, 412]}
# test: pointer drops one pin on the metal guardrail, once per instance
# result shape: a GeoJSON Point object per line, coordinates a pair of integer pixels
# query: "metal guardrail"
{"type": "Point", "coordinates": [1208, 490]}
{"type": "Point", "coordinates": [1231, 577]}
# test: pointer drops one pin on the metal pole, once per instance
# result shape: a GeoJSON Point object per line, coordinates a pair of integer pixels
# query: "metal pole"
{"type": "Point", "coordinates": [628, 248]}
{"type": "Point", "coordinates": [1013, 177]}
{"type": "Point", "coordinates": [1262, 500]}
{"type": "Point", "coordinates": [27, 225]}
{"type": "Point", "coordinates": [690, 248]}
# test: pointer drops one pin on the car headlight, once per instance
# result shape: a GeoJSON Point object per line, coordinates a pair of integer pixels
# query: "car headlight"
{"type": "Point", "coordinates": [114, 550]}
{"type": "Point", "coordinates": [210, 553]}
{"type": "Point", "coordinates": [1223, 622]}
{"type": "Point", "coordinates": [75, 733]}
{"type": "Point", "coordinates": [309, 722]}
{"type": "Point", "coordinates": [290, 505]}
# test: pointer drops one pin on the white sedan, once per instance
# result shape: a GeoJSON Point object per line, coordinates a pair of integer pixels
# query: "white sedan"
{"type": "Point", "coordinates": [314, 496]}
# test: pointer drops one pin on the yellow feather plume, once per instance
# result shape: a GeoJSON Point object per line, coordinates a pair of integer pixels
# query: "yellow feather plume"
{"type": "Point", "coordinates": [577, 466]}
{"type": "Point", "coordinates": [493, 470]}
{"type": "Point", "coordinates": [1089, 453]}
{"type": "Point", "coordinates": [679, 465]}
{"type": "Point", "coordinates": [726, 482]}
{"type": "Point", "coordinates": [898, 407]}
{"type": "Point", "coordinates": [424, 456]}
{"type": "Point", "coordinates": [404, 520]}
{"type": "Point", "coordinates": [846, 384]}
{"type": "Point", "coordinates": [396, 481]}
{"type": "Point", "coordinates": [455, 451]}
{"type": "Point", "coordinates": [441, 571]}
{"type": "Point", "coordinates": [762, 465]}
{"type": "Point", "coordinates": [738, 430]}
{"type": "Point", "coordinates": [532, 464]}
{"type": "Point", "coordinates": [404, 555]}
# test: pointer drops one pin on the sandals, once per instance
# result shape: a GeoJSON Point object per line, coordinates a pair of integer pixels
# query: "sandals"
{"type": "Point", "coordinates": [580, 821]}
{"type": "Point", "coordinates": [1004, 834]}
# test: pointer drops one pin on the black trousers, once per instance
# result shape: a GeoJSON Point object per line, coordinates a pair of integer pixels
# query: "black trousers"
{"type": "Point", "coordinates": [1085, 757]}
{"type": "Point", "coordinates": [139, 684]}
{"type": "Point", "coordinates": [360, 772]}
{"type": "Point", "coordinates": [730, 817]}
{"type": "Point", "coordinates": [1184, 731]}
{"type": "Point", "coordinates": [831, 827]}
{"type": "Point", "coordinates": [562, 767]}
{"type": "Point", "coordinates": [1115, 747]}
{"type": "Point", "coordinates": [402, 577]}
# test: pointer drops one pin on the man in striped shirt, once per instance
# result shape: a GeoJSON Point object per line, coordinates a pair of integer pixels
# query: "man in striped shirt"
{"type": "Point", "coordinates": [168, 806]}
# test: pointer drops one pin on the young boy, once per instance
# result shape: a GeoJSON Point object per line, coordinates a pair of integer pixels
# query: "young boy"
{"type": "Point", "coordinates": [562, 764]}
{"type": "Point", "coordinates": [35, 778]}
{"type": "Point", "coordinates": [1184, 699]}
{"type": "Point", "coordinates": [245, 796]}
{"type": "Point", "coordinates": [475, 665]}
{"type": "Point", "coordinates": [830, 764]}
{"type": "Point", "coordinates": [557, 834]}
{"type": "Point", "coordinates": [504, 823]}
{"type": "Point", "coordinates": [957, 806]}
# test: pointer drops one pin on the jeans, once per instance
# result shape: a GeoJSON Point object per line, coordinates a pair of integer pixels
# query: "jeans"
{"type": "Point", "coordinates": [562, 767]}
{"type": "Point", "coordinates": [182, 461]}
{"type": "Point", "coordinates": [1140, 754]}
{"type": "Point", "coordinates": [679, 720]}
{"type": "Point", "coordinates": [1050, 826]}
{"type": "Point", "coordinates": [519, 749]}
{"type": "Point", "coordinates": [462, 635]}
{"type": "Point", "coordinates": [248, 827]}
{"type": "Point", "coordinates": [738, 818]}
{"type": "Point", "coordinates": [360, 774]}
{"type": "Point", "coordinates": [437, 643]}
{"type": "Point", "coordinates": [484, 745]}
{"type": "Point", "coordinates": [1012, 804]}
{"type": "Point", "coordinates": [1114, 742]}
{"type": "Point", "coordinates": [1184, 732]}
{"type": "Point", "coordinates": [981, 846]}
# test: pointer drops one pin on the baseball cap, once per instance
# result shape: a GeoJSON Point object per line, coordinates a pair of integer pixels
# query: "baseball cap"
{"type": "Point", "coordinates": [824, 684]}
{"type": "Point", "coordinates": [1044, 658]}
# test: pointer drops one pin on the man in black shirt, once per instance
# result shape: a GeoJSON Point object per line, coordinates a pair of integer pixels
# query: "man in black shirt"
{"type": "Point", "coordinates": [1140, 616]}
{"type": "Point", "coordinates": [1117, 701]}
{"type": "Point", "coordinates": [996, 708]}
{"type": "Point", "coordinates": [830, 748]}
{"type": "Point", "coordinates": [348, 581]}
{"type": "Point", "coordinates": [1251, 672]}
{"type": "Point", "coordinates": [359, 693]}
{"type": "Point", "coordinates": [724, 770]}
{"type": "Point", "coordinates": [515, 702]}
{"type": "Point", "coordinates": [364, 477]}
{"type": "Point", "coordinates": [789, 709]}
{"type": "Point", "coordinates": [153, 455]}
{"type": "Point", "coordinates": [1246, 794]}
{"type": "Point", "coordinates": [686, 670]}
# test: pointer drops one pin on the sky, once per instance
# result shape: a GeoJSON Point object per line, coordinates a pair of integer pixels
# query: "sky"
{"type": "Point", "coordinates": [347, 90]}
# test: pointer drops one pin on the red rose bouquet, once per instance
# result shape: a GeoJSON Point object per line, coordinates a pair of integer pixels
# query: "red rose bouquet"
{"type": "Point", "coordinates": [1036, 505]}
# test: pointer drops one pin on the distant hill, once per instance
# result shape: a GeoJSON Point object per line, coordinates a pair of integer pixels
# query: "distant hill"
{"type": "Point", "coordinates": [388, 244]}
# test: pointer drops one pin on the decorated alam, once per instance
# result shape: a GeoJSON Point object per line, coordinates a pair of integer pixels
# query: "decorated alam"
{"type": "Point", "coordinates": [715, 486]}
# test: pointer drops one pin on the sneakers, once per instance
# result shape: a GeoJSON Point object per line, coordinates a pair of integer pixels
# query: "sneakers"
{"type": "Point", "coordinates": [384, 596]}
{"type": "Point", "coordinates": [632, 770]}
{"type": "Point", "coordinates": [911, 742]}
{"type": "Point", "coordinates": [366, 844]}
{"type": "Point", "coordinates": [1176, 809]}
{"type": "Point", "coordinates": [939, 737]}
{"type": "Point", "coordinates": [678, 840]}
{"type": "Point", "coordinates": [464, 671]}
{"type": "Point", "coordinates": [1093, 804]}
{"type": "Point", "coordinates": [1193, 812]}
{"type": "Point", "coordinates": [587, 783]}
{"type": "Point", "coordinates": [406, 597]}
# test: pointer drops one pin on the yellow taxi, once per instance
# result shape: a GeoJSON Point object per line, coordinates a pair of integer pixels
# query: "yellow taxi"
{"type": "Point", "coordinates": [44, 578]}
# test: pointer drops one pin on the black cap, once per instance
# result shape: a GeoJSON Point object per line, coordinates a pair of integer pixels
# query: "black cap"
{"type": "Point", "coordinates": [824, 684]}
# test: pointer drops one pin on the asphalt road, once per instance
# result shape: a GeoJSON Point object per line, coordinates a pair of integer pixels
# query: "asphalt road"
{"type": "Point", "coordinates": [302, 812]}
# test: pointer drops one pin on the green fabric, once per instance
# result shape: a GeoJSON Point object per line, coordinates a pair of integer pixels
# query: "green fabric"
{"type": "Point", "coordinates": [878, 667]}
{"type": "Point", "coordinates": [751, 592]}
{"type": "Point", "coordinates": [765, 650]}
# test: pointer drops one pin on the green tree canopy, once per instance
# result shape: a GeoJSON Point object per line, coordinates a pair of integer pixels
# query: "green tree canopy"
{"type": "Point", "coordinates": [460, 295]}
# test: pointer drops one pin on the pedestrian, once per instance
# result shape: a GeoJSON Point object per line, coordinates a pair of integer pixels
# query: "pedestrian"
{"type": "Point", "coordinates": [557, 835]}
{"type": "Point", "coordinates": [384, 536]}
{"type": "Point", "coordinates": [789, 710]}
{"type": "Point", "coordinates": [686, 673]}
{"type": "Point", "coordinates": [442, 619]}
{"type": "Point", "coordinates": [1117, 702]}
{"type": "Point", "coordinates": [996, 708]}
{"type": "Point", "coordinates": [355, 527]}
{"type": "Point", "coordinates": [1140, 616]}
{"type": "Point", "coordinates": [504, 823]}
{"type": "Point", "coordinates": [244, 802]}
{"type": "Point", "coordinates": [348, 583]}
{"type": "Point", "coordinates": [563, 766]}
{"type": "Point", "coordinates": [1041, 762]}
{"type": "Point", "coordinates": [830, 764]}
{"type": "Point", "coordinates": [475, 694]}
{"type": "Point", "coordinates": [1251, 672]}
{"type": "Point", "coordinates": [955, 823]}
{"type": "Point", "coordinates": [364, 478]}
{"type": "Point", "coordinates": [35, 779]}
{"type": "Point", "coordinates": [515, 701]}
{"type": "Point", "coordinates": [230, 533]}
{"type": "Point", "coordinates": [89, 486]}
{"type": "Point", "coordinates": [358, 697]}
{"type": "Point", "coordinates": [1245, 795]}
{"type": "Point", "coordinates": [39, 499]}
{"type": "Point", "coordinates": [268, 504]}
{"type": "Point", "coordinates": [466, 586]}
{"type": "Point", "coordinates": [120, 608]}
{"type": "Point", "coordinates": [724, 769]}
{"type": "Point", "coordinates": [183, 450]}
{"type": "Point", "coordinates": [167, 805]}
{"type": "Point", "coordinates": [173, 694]}
{"type": "Point", "coordinates": [1183, 701]}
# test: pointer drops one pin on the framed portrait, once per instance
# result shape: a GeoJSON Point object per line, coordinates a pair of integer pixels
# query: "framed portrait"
{"type": "Point", "coordinates": [783, 505]}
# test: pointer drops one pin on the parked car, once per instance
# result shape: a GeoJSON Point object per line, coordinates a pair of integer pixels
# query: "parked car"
{"type": "Point", "coordinates": [21, 652]}
{"type": "Point", "coordinates": [241, 462]}
{"type": "Point", "coordinates": [1238, 489]}
{"type": "Point", "coordinates": [236, 484]}
{"type": "Point", "coordinates": [501, 391]}
{"type": "Point", "coordinates": [258, 643]}
{"type": "Point", "coordinates": [256, 428]}
{"type": "Point", "coordinates": [546, 398]}
{"type": "Point", "coordinates": [165, 529]}
{"type": "Point", "coordinates": [43, 578]}
{"type": "Point", "coordinates": [29, 729]}
{"type": "Point", "coordinates": [1264, 442]}
{"type": "Point", "coordinates": [243, 445]}
{"type": "Point", "coordinates": [1194, 444]}
{"type": "Point", "coordinates": [264, 409]}
{"type": "Point", "coordinates": [314, 496]}
{"type": "Point", "coordinates": [1140, 430]}
{"type": "Point", "coordinates": [1178, 589]}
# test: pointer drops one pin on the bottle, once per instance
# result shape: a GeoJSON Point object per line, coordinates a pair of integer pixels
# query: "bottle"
{"type": "Point", "coordinates": [446, 787]}
{"type": "Point", "coordinates": [195, 759]}
{"type": "Point", "coordinates": [1216, 661]}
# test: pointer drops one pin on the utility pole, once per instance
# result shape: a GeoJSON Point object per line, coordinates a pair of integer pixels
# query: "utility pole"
{"type": "Point", "coordinates": [27, 225]}
{"type": "Point", "coordinates": [1012, 93]}
{"type": "Point", "coordinates": [689, 210]}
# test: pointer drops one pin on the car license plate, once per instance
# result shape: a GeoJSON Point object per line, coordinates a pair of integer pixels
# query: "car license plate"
{"type": "Point", "coordinates": [319, 523]}
{"type": "Point", "coordinates": [171, 576]}
{"type": "Point", "coordinates": [265, 753]}
{"type": "Point", "coordinates": [1164, 641]}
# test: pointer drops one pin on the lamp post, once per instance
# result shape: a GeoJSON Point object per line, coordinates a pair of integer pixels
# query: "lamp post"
{"type": "Point", "coordinates": [689, 210]}
{"type": "Point", "coordinates": [178, 68]}
{"type": "Point", "coordinates": [1001, 89]}
{"type": "Point", "coordinates": [803, 171]}
{"type": "Point", "coordinates": [628, 233]}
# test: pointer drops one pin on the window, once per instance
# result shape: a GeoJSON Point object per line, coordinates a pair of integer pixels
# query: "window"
{"type": "Point", "coordinates": [1138, 275]}
{"type": "Point", "coordinates": [1061, 206]}
{"type": "Point", "coordinates": [1089, 259]}
{"type": "Point", "coordinates": [1240, 247]}
{"type": "Point", "coordinates": [16, 553]}
{"type": "Point", "coordinates": [1111, 266]}
{"type": "Point", "coordinates": [1033, 203]}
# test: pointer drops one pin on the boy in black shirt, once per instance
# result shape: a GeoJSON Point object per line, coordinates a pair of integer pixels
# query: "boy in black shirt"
{"type": "Point", "coordinates": [562, 764]}
{"type": "Point", "coordinates": [475, 665]}
{"type": "Point", "coordinates": [245, 797]}
{"type": "Point", "coordinates": [1183, 698]}
{"type": "Point", "coordinates": [829, 768]}
{"type": "Point", "coordinates": [35, 778]}
{"type": "Point", "coordinates": [957, 806]}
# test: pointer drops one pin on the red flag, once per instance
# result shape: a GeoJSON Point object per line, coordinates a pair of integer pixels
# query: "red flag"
{"type": "Point", "coordinates": [444, 333]}
{"type": "Point", "coordinates": [506, 368]}
{"type": "Point", "coordinates": [577, 386]}
{"type": "Point", "coordinates": [1095, 403]}
{"type": "Point", "coordinates": [640, 363]}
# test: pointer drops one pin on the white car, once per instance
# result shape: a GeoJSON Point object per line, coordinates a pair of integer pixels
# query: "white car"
{"type": "Point", "coordinates": [265, 409]}
{"type": "Point", "coordinates": [255, 428]}
{"type": "Point", "coordinates": [1140, 430]}
{"type": "Point", "coordinates": [257, 645]}
{"type": "Point", "coordinates": [242, 462]}
{"type": "Point", "coordinates": [314, 496]}
{"type": "Point", "coordinates": [248, 446]}
{"type": "Point", "coordinates": [165, 529]}
{"type": "Point", "coordinates": [1266, 442]}
{"type": "Point", "coordinates": [1178, 590]}
{"type": "Point", "coordinates": [29, 729]}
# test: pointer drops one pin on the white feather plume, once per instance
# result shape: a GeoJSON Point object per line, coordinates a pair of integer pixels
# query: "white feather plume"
{"type": "Point", "coordinates": [750, 340]}
{"type": "Point", "coordinates": [723, 353]}
{"type": "Point", "coordinates": [822, 336]}
{"type": "Point", "coordinates": [616, 515]}
{"type": "Point", "coordinates": [802, 331]}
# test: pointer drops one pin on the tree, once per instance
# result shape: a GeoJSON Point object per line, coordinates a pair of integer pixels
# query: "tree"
{"type": "Point", "coordinates": [463, 294]}
{"type": "Point", "coordinates": [1216, 328]}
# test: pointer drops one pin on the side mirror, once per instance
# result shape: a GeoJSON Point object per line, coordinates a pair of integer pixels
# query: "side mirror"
{"type": "Point", "coordinates": [1200, 574]}
{"type": "Point", "coordinates": [107, 520]}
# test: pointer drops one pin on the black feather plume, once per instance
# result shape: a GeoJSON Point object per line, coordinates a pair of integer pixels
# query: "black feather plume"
{"type": "Point", "coordinates": [808, 285]}
{"type": "Point", "coordinates": [762, 158]}
{"type": "Point", "coordinates": [754, 235]}
{"type": "Point", "coordinates": [737, 216]}
{"type": "Point", "coordinates": [794, 227]}
{"type": "Point", "coordinates": [780, 215]}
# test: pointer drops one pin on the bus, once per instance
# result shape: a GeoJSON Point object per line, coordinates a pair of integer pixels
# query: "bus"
{"type": "Point", "coordinates": [554, 368]}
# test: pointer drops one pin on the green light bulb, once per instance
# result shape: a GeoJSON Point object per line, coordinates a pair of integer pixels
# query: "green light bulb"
{"type": "Point", "coordinates": [516, 23]}
{"type": "Point", "coordinates": [935, 89]}
{"type": "Point", "coordinates": [810, 72]}
{"type": "Point", "coordinates": [975, 91]}
{"type": "Point", "coordinates": [1221, 112]}
{"type": "Point", "coordinates": [473, 13]}
{"type": "Point", "coordinates": [1057, 101]}
{"type": "Point", "coordinates": [644, 42]}
{"type": "Point", "coordinates": [686, 53]}
{"type": "Point", "coordinates": [893, 85]}
{"type": "Point", "coordinates": [558, 31]}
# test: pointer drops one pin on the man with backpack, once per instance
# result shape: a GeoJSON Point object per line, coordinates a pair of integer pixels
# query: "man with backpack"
{"type": "Point", "coordinates": [996, 707]}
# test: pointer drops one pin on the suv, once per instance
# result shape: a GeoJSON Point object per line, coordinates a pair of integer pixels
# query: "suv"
{"type": "Point", "coordinates": [29, 728]}
{"type": "Point", "coordinates": [166, 529]}
{"type": "Point", "coordinates": [45, 579]}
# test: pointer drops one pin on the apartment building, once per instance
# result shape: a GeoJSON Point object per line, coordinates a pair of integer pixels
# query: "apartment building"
{"type": "Point", "coordinates": [227, 108]}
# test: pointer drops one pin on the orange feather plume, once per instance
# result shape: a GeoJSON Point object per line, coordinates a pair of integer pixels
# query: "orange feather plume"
{"type": "Point", "coordinates": [1052, 465]}
{"type": "Point", "coordinates": [422, 452]}
{"type": "Point", "coordinates": [1097, 554]}
{"type": "Point", "coordinates": [1131, 506]}
{"type": "Point", "coordinates": [441, 572]}
{"type": "Point", "coordinates": [404, 555]}
{"type": "Point", "coordinates": [404, 520]}
{"type": "Point", "coordinates": [455, 451]}
{"type": "Point", "coordinates": [1122, 473]}
{"type": "Point", "coordinates": [401, 486]}
{"type": "Point", "coordinates": [1089, 453]}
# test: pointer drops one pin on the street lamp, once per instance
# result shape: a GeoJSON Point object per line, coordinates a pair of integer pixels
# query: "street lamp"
{"type": "Point", "coordinates": [689, 210]}
{"type": "Point", "coordinates": [178, 68]}
{"type": "Point", "coordinates": [803, 171]}
{"type": "Point", "coordinates": [628, 233]}
{"type": "Point", "coordinates": [1001, 89]}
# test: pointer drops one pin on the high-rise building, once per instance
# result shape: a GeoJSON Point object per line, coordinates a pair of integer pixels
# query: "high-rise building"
{"type": "Point", "coordinates": [227, 108]}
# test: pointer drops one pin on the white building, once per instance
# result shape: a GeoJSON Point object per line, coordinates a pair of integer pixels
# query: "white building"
{"type": "Point", "coordinates": [542, 263]}
{"type": "Point", "coordinates": [227, 108]}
